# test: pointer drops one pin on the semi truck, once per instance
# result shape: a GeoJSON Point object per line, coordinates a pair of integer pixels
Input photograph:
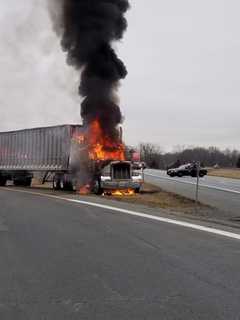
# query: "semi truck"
{"type": "Point", "coordinates": [61, 152]}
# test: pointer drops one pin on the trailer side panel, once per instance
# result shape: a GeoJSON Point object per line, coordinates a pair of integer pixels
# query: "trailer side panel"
{"type": "Point", "coordinates": [40, 149]}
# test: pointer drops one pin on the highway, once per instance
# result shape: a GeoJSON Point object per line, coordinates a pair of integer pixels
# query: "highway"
{"type": "Point", "coordinates": [222, 193]}
{"type": "Point", "coordinates": [63, 258]}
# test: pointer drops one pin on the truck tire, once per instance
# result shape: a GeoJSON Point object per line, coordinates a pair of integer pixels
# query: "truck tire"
{"type": "Point", "coordinates": [59, 183]}
{"type": "Point", "coordinates": [137, 190]}
{"type": "Point", "coordinates": [56, 184]}
{"type": "Point", "coordinates": [97, 188]}
{"type": "Point", "coordinates": [24, 182]}
{"type": "Point", "coordinates": [68, 186]}
{"type": "Point", "coordinates": [17, 183]}
{"type": "Point", "coordinates": [180, 174]}
{"type": "Point", "coordinates": [27, 182]}
{"type": "Point", "coordinates": [3, 181]}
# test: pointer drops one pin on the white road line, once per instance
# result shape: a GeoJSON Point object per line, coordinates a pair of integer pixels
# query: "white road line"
{"type": "Point", "coordinates": [192, 183]}
{"type": "Point", "coordinates": [137, 214]}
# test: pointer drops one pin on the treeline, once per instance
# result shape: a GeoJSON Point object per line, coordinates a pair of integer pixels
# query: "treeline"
{"type": "Point", "coordinates": [212, 156]}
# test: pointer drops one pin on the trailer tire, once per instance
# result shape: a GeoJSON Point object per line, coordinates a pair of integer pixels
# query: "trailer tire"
{"type": "Point", "coordinates": [24, 182]}
{"type": "Point", "coordinates": [27, 182]}
{"type": "Point", "coordinates": [17, 183]}
{"type": "Point", "coordinates": [68, 186]}
{"type": "Point", "coordinates": [56, 184]}
{"type": "Point", "coordinates": [3, 181]}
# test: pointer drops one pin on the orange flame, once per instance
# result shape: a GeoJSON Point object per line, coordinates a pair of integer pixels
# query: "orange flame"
{"type": "Point", "coordinates": [102, 147]}
{"type": "Point", "coordinates": [84, 190]}
{"type": "Point", "coordinates": [128, 192]}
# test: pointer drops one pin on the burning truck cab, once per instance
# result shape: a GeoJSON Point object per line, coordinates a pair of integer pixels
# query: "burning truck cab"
{"type": "Point", "coordinates": [118, 178]}
{"type": "Point", "coordinates": [109, 171]}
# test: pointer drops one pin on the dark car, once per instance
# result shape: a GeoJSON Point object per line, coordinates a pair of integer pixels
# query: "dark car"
{"type": "Point", "coordinates": [189, 169]}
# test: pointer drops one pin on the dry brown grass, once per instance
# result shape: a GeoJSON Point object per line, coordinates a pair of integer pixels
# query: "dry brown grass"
{"type": "Point", "coordinates": [36, 183]}
{"type": "Point", "coordinates": [225, 173]}
{"type": "Point", "coordinates": [155, 197]}
{"type": "Point", "coordinates": [150, 196]}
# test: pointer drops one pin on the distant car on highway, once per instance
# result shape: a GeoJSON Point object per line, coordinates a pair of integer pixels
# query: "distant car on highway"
{"type": "Point", "coordinates": [189, 169]}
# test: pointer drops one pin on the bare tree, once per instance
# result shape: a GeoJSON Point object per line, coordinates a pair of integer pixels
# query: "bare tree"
{"type": "Point", "coordinates": [154, 157]}
{"type": "Point", "coordinates": [151, 154]}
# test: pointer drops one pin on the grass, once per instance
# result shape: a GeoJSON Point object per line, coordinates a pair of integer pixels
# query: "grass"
{"type": "Point", "coordinates": [149, 196]}
{"type": "Point", "coordinates": [155, 197]}
{"type": "Point", "coordinates": [225, 173]}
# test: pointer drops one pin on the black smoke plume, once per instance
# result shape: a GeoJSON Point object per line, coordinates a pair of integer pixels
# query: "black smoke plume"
{"type": "Point", "coordinates": [88, 29]}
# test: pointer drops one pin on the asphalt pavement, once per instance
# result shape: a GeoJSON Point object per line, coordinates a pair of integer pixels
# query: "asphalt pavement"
{"type": "Point", "coordinates": [64, 260]}
{"type": "Point", "coordinates": [222, 193]}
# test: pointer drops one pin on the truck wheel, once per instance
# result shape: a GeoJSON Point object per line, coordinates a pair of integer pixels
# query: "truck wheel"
{"type": "Point", "coordinates": [27, 182]}
{"type": "Point", "coordinates": [137, 190]}
{"type": "Point", "coordinates": [24, 182]}
{"type": "Point", "coordinates": [3, 181]}
{"type": "Point", "coordinates": [180, 174]}
{"type": "Point", "coordinates": [201, 175]}
{"type": "Point", "coordinates": [17, 183]}
{"type": "Point", "coordinates": [56, 184]}
{"type": "Point", "coordinates": [97, 189]}
{"type": "Point", "coordinates": [62, 185]}
{"type": "Point", "coordinates": [68, 186]}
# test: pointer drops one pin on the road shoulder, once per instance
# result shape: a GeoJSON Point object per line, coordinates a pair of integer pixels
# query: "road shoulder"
{"type": "Point", "coordinates": [204, 220]}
